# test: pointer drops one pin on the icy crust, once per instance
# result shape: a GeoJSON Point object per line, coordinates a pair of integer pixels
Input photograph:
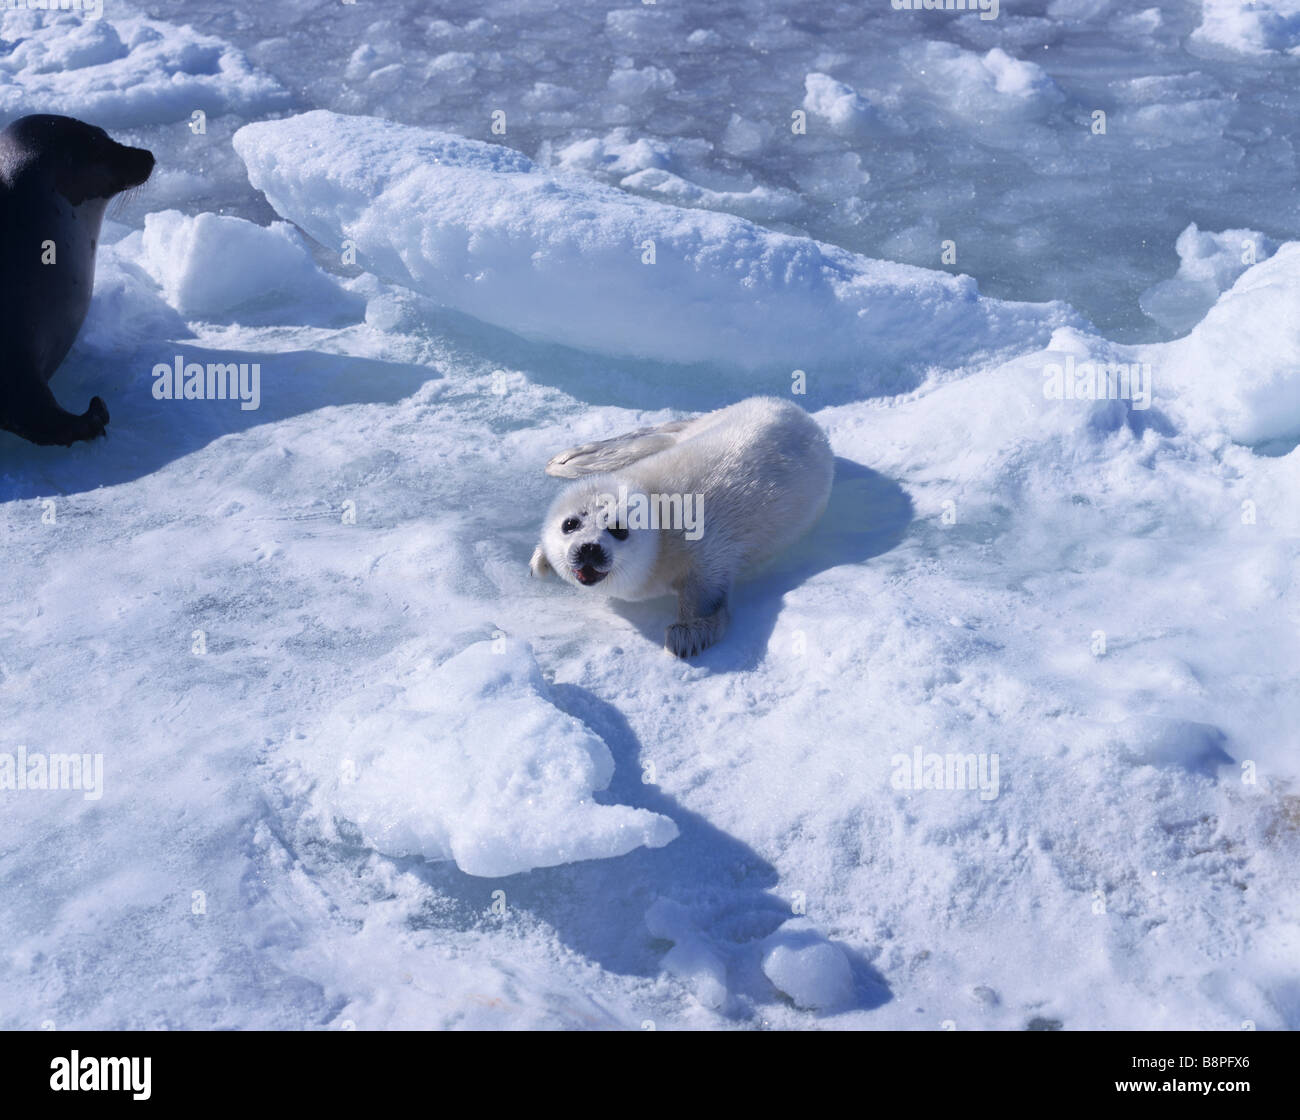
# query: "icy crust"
{"type": "Point", "coordinates": [124, 73]}
{"type": "Point", "coordinates": [480, 229]}
{"type": "Point", "coordinates": [471, 761]}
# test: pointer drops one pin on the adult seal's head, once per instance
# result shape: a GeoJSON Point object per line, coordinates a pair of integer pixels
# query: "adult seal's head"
{"type": "Point", "coordinates": [57, 176]}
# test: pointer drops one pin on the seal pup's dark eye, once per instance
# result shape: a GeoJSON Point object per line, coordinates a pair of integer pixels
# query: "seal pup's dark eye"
{"type": "Point", "coordinates": [618, 532]}
{"type": "Point", "coordinates": [570, 525]}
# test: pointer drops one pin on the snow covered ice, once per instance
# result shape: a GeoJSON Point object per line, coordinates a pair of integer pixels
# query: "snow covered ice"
{"type": "Point", "coordinates": [603, 270]}
{"type": "Point", "coordinates": [471, 761]}
{"type": "Point", "coordinates": [360, 769]}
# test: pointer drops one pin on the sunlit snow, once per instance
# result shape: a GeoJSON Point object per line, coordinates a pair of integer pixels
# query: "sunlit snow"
{"type": "Point", "coordinates": [360, 770]}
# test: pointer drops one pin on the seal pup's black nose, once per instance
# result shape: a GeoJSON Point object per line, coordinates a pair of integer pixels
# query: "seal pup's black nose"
{"type": "Point", "coordinates": [590, 554]}
{"type": "Point", "coordinates": [590, 564]}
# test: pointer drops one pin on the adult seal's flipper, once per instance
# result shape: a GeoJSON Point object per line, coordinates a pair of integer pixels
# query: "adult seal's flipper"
{"type": "Point", "coordinates": [38, 417]}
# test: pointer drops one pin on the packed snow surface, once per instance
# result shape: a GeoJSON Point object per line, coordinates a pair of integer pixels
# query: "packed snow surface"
{"type": "Point", "coordinates": [1008, 741]}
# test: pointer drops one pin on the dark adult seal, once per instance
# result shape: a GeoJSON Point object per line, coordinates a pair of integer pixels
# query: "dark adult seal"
{"type": "Point", "coordinates": [57, 176]}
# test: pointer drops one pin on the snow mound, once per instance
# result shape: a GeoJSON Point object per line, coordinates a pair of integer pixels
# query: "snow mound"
{"type": "Point", "coordinates": [1208, 264]}
{"type": "Point", "coordinates": [972, 84]}
{"type": "Point", "coordinates": [480, 229]}
{"type": "Point", "coordinates": [1240, 367]}
{"type": "Point", "coordinates": [473, 762]}
{"type": "Point", "coordinates": [128, 307]}
{"type": "Point", "coordinates": [843, 107]}
{"type": "Point", "coordinates": [691, 959]}
{"type": "Point", "coordinates": [1017, 78]}
{"type": "Point", "coordinates": [211, 264]}
{"type": "Point", "coordinates": [617, 153]}
{"type": "Point", "coordinates": [126, 73]}
{"type": "Point", "coordinates": [802, 964]}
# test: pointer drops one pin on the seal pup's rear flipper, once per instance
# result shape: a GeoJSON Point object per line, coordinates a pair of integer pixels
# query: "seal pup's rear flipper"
{"type": "Point", "coordinates": [616, 453]}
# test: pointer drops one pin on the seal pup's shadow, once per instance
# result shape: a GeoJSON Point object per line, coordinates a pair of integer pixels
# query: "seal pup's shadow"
{"type": "Point", "coordinates": [867, 515]}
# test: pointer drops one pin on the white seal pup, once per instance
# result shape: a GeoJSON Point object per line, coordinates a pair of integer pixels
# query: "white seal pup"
{"type": "Point", "coordinates": [686, 508]}
{"type": "Point", "coordinates": [57, 175]}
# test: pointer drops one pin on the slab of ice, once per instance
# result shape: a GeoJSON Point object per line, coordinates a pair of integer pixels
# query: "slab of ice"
{"type": "Point", "coordinates": [480, 229]}
{"type": "Point", "coordinates": [211, 264]}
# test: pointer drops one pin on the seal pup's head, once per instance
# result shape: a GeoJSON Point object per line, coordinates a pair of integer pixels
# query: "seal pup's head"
{"type": "Point", "coordinates": [80, 161]}
{"type": "Point", "coordinates": [587, 542]}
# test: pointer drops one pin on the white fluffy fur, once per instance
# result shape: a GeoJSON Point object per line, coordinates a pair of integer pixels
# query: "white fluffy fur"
{"type": "Point", "coordinates": [763, 471]}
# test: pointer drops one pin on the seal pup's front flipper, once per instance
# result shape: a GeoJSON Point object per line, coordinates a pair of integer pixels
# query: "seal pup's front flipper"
{"type": "Point", "coordinates": [703, 615]}
{"type": "Point", "coordinates": [616, 453]}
